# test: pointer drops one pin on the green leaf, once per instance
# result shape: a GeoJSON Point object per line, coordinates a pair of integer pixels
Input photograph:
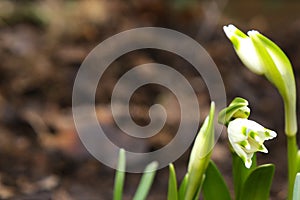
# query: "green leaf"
{"type": "Point", "coordinates": [296, 193]}
{"type": "Point", "coordinates": [200, 154]}
{"type": "Point", "coordinates": [197, 195]}
{"type": "Point", "coordinates": [258, 184]}
{"type": "Point", "coordinates": [172, 187]}
{"type": "Point", "coordinates": [120, 176]}
{"type": "Point", "coordinates": [240, 173]}
{"type": "Point", "coordinates": [182, 187]}
{"type": "Point", "coordinates": [146, 181]}
{"type": "Point", "coordinates": [298, 160]}
{"type": "Point", "coordinates": [215, 182]}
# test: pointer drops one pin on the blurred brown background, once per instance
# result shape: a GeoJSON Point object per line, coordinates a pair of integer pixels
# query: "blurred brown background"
{"type": "Point", "coordinates": [42, 45]}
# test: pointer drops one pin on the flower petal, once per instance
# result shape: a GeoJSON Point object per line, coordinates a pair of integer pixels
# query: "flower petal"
{"type": "Point", "coordinates": [244, 48]}
{"type": "Point", "coordinates": [237, 131]}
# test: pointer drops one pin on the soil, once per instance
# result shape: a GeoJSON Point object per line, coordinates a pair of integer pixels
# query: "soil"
{"type": "Point", "coordinates": [42, 45]}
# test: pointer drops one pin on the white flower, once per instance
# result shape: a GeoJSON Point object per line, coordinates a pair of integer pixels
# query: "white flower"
{"type": "Point", "coordinates": [264, 57]}
{"type": "Point", "coordinates": [247, 137]}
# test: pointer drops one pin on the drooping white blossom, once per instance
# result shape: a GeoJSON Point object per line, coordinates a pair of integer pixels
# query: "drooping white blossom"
{"type": "Point", "coordinates": [247, 137]}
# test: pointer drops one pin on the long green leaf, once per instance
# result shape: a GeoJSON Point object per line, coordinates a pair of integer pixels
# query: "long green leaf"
{"type": "Point", "coordinates": [258, 184]}
{"type": "Point", "coordinates": [298, 160]}
{"type": "Point", "coordinates": [200, 154]}
{"type": "Point", "coordinates": [296, 193]}
{"type": "Point", "coordinates": [182, 187]}
{"type": "Point", "coordinates": [146, 181]}
{"type": "Point", "coordinates": [214, 186]}
{"type": "Point", "coordinates": [197, 195]}
{"type": "Point", "coordinates": [240, 173]}
{"type": "Point", "coordinates": [120, 176]}
{"type": "Point", "coordinates": [172, 187]}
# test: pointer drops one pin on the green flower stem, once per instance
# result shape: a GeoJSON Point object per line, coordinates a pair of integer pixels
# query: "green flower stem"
{"type": "Point", "coordinates": [290, 116]}
{"type": "Point", "coordinates": [292, 147]}
{"type": "Point", "coordinates": [292, 150]}
{"type": "Point", "coordinates": [298, 161]}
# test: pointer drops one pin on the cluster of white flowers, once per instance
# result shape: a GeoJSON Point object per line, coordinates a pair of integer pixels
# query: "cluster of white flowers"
{"type": "Point", "coordinates": [264, 57]}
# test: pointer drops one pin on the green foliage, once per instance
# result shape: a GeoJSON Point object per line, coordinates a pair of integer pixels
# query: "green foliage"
{"type": "Point", "coordinates": [190, 187]}
{"type": "Point", "coordinates": [296, 193]}
{"type": "Point", "coordinates": [214, 186]}
{"type": "Point", "coordinates": [258, 184]}
{"type": "Point", "coordinates": [298, 160]}
{"type": "Point", "coordinates": [240, 173]}
{"type": "Point", "coordinates": [144, 185]}
{"type": "Point", "coordinates": [146, 181]}
{"type": "Point", "coordinates": [182, 187]}
{"type": "Point", "coordinates": [200, 155]}
{"type": "Point", "coordinates": [172, 188]}
{"type": "Point", "coordinates": [253, 183]}
{"type": "Point", "coordinates": [120, 176]}
{"type": "Point", "coordinates": [197, 194]}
